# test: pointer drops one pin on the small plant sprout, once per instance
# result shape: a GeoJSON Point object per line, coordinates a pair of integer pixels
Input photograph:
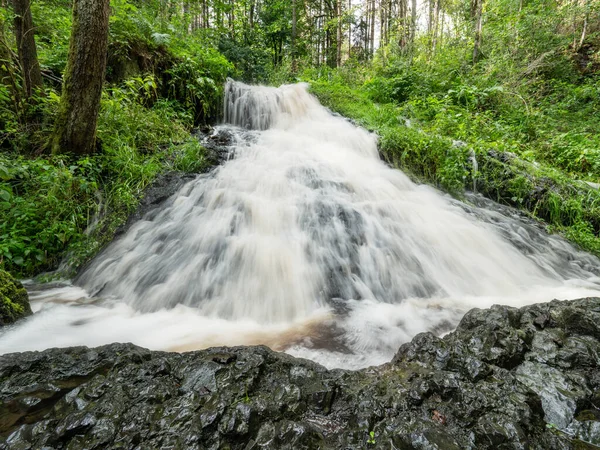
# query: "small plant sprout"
{"type": "Point", "coordinates": [371, 439]}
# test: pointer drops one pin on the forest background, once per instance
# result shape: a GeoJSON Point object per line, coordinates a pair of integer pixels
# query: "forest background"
{"type": "Point", "coordinates": [513, 85]}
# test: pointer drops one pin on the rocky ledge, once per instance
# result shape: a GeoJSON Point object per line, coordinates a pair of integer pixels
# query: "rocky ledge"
{"type": "Point", "coordinates": [505, 379]}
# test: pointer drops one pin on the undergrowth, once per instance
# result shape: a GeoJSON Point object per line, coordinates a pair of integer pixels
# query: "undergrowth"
{"type": "Point", "coordinates": [54, 204]}
{"type": "Point", "coordinates": [161, 83]}
{"type": "Point", "coordinates": [542, 156]}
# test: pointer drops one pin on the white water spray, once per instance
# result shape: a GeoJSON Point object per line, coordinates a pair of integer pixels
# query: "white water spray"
{"type": "Point", "coordinates": [307, 242]}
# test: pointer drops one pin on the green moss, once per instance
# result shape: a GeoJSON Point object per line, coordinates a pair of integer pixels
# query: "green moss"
{"type": "Point", "coordinates": [587, 415]}
{"type": "Point", "coordinates": [14, 302]}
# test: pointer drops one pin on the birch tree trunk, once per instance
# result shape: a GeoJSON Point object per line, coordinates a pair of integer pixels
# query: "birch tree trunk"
{"type": "Point", "coordinates": [585, 25]}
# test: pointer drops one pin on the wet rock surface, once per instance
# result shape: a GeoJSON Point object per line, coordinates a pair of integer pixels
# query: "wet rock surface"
{"type": "Point", "coordinates": [218, 143]}
{"type": "Point", "coordinates": [161, 189]}
{"type": "Point", "coordinates": [505, 379]}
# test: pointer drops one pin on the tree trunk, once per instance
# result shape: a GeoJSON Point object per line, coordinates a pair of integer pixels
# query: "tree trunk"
{"type": "Point", "coordinates": [294, 24]}
{"type": "Point", "coordinates": [75, 128]}
{"type": "Point", "coordinates": [373, 12]}
{"type": "Point", "coordinates": [232, 3]}
{"type": "Point", "coordinates": [24, 31]}
{"type": "Point", "coordinates": [478, 10]}
{"type": "Point", "coordinates": [382, 21]}
{"type": "Point", "coordinates": [186, 16]}
{"type": "Point", "coordinates": [430, 5]}
{"type": "Point", "coordinates": [436, 26]}
{"type": "Point", "coordinates": [8, 77]}
{"type": "Point", "coordinates": [403, 29]}
{"type": "Point", "coordinates": [350, 30]}
{"type": "Point", "coordinates": [205, 18]}
{"type": "Point", "coordinates": [585, 25]}
{"type": "Point", "coordinates": [339, 33]}
{"type": "Point", "coordinates": [413, 21]}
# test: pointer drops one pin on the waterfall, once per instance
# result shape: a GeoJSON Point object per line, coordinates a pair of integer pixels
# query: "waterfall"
{"type": "Point", "coordinates": [306, 241]}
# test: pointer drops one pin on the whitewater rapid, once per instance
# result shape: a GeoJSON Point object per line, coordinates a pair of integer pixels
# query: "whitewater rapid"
{"type": "Point", "coordinates": [307, 242]}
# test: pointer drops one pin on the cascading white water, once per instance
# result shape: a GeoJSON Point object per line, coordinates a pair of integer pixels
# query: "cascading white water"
{"type": "Point", "coordinates": [307, 242]}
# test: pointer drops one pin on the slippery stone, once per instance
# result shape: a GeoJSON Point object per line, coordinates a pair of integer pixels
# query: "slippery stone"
{"type": "Point", "coordinates": [506, 378]}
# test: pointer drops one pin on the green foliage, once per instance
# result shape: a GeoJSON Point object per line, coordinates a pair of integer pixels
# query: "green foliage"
{"type": "Point", "coordinates": [49, 203]}
{"type": "Point", "coordinates": [190, 157]}
{"type": "Point", "coordinates": [53, 22]}
{"type": "Point", "coordinates": [418, 136]}
{"type": "Point", "coordinates": [388, 90]}
{"type": "Point", "coordinates": [164, 82]}
{"type": "Point", "coordinates": [197, 83]}
{"type": "Point", "coordinates": [45, 204]}
{"type": "Point", "coordinates": [527, 109]}
{"type": "Point", "coordinates": [130, 26]}
{"type": "Point", "coordinates": [252, 63]}
{"type": "Point", "coordinates": [371, 440]}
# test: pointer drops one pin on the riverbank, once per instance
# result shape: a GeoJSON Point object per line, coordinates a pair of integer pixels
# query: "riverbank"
{"type": "Point", "coordinates": [506, 378]}
{"type": "Point", "coordinates": [504, 166]}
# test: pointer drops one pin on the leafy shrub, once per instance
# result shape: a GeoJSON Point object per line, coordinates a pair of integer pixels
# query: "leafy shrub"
{"type": "Point", "coordinates": [189, 157]}
{"type": "Point", "coordinates": [388, 90]}
{"type": "Point", "coordinates": [473, 97]}
{"type": "Point", "coordinates": [197, 83]}
{"type": "Point", "coordinates": [431, 158]}
{"type": "Point", "coordinates": [251, 63]}
{"type": "Point", "coordinates": [53, 21]}
{"type": "Point", "coordinates": [45, 204]}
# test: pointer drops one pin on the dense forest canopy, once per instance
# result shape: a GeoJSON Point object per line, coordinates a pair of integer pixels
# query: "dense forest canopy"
{"type": "Point", "coordinates": [515, 77]}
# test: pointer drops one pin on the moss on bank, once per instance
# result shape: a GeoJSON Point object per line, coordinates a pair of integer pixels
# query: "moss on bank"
{"type": "Point", "coordinates": [570, 207]}
{"type": "Point", "coordinates": [14, 301]}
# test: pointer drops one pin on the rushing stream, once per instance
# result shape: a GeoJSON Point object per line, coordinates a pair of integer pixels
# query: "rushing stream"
{"type": "Point", "coordinates": [304, 241]}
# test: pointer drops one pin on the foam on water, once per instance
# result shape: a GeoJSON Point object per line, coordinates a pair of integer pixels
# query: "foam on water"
{"type": "Point", "coordinates": [307, 242]}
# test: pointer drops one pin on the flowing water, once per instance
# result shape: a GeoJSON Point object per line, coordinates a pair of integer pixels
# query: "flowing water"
{"type": "Point", "coordinates": [304, 241]}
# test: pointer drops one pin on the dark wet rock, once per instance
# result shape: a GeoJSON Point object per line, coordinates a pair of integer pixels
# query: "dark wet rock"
{"type": "Point", "coordinates": [218, 143]}
{"type": "Point", "coordinates": [14, 301]}
{"type": "Point", "coordinates": [155, 195]}
{"type": "Point", "coordinates": [507, 378]}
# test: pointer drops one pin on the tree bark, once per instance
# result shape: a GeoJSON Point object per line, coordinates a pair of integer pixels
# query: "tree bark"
{"type": "Point", "coordinates": [585, 25]}
{"type": "Point", "coordinates": [8, 62]}
{"type": "Point", "coordinates": [478, 10]}
{"type": "Point", "coordinates": [294, 25]}
{"type": "Point", "coordinates": [413, 21]}
{"type": "Point", "coordinates": [436, 26]}
{"type": "Point", "coordinates": [339, 33]}
{"type": "Point", "coordinates": [350, 31]}
{"type": "Point", "coordinates": [75, 127]}
{"type": "Point", "coordinates": [24, 32]}
{"type": "Point", "coordinates": [373, 12]}
{"type": "Point", "coordinates": [403, 28]}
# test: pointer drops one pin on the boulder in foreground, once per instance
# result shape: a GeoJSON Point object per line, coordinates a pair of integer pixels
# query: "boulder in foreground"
{"type": "Point", "coordinates": [505, 379]}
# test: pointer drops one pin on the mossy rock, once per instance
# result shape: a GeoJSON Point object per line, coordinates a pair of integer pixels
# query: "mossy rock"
{"type": "Point", "coordinates": [14, 301]}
